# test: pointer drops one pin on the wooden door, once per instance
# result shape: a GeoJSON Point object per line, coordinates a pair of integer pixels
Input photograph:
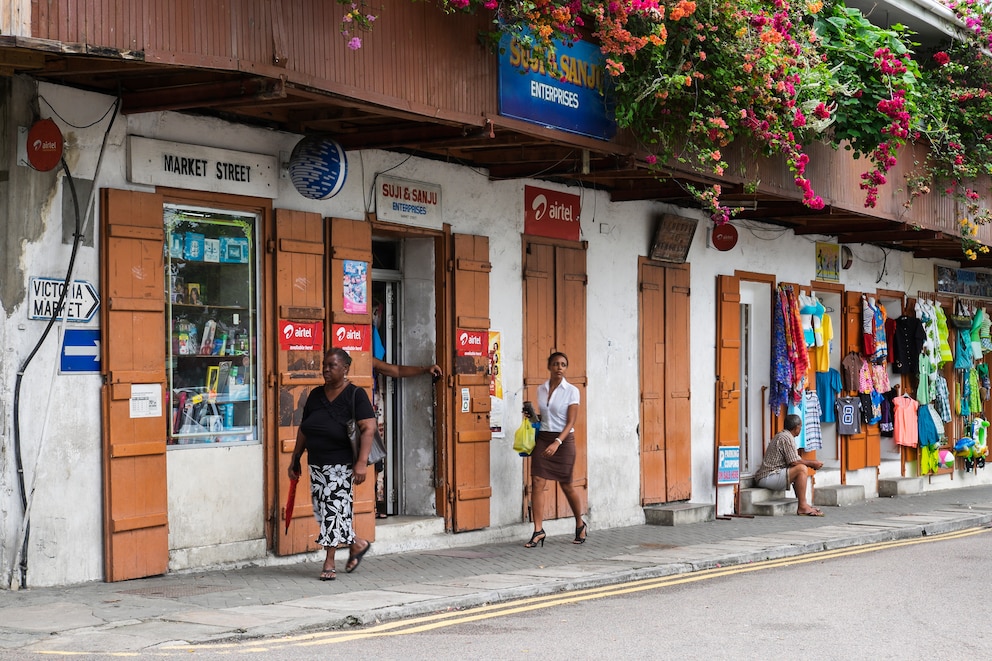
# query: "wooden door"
{"type": "Point", "coordinates": [555, 320]}
{"type": "Point", "coordinates": [854, 447]}
{"type": "Point", "coordinates": [471, 490]}
{"type": "Point", "coordinates": [351, 240]}
{"type": "Point", "coordinates": [651, 309]}
{"type": "Point", "coordinates": [666, 442]}
{"type": "Point", "coordinates": [728, 360]}
{"type": "Point", "coordinates": [132, 284]}
{"type": "Point", "coordinates": [298, 290]}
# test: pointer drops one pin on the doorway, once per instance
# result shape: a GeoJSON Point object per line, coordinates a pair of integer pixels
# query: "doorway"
{"type": "Point", "coordinates": [403, 314]}
{"type": "Point", "coordinates": [755, 316]}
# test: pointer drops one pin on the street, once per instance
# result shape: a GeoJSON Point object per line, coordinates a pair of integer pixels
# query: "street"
{"type": "Point", "coordinates": [853, 603]}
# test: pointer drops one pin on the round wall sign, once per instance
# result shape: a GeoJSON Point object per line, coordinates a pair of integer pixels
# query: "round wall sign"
{"type": "Point", "coordinates": [724, 237]}
{"type": "Point", "coordinates": [44, 145]}
{"type": "Point", "coordinates": [318, 167]}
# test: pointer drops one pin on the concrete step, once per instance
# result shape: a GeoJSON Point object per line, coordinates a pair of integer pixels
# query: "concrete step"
{"type": "Point", "coordinates": [775, 507]}
{"type": "Point", "coordinates": [891, 487]}
{"type": "Point", "coordinates": [751, 496]}
{"type": "Point", "coordinates": [677, 514]}
{"type": "Point", "coordinates": [839, 495]}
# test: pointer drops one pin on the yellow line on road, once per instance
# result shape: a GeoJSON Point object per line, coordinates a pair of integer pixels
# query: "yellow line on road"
{"type": "Point", "coordinates": [439, 620]}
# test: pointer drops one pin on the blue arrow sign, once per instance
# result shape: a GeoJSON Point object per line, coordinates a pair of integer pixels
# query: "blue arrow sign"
{"type": "Point", "coordinates": [80, 351]}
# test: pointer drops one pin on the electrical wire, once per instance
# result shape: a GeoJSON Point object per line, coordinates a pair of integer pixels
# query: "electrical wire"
{"type": "Point", "coordinates": [21, 559]}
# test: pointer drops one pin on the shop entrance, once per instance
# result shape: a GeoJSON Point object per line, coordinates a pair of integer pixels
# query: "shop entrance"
{"type": "Point", "coordinates": [403, 315]}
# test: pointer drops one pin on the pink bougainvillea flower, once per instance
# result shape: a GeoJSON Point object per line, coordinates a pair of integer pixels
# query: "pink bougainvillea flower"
{"type": "Point", "coordinates": [354, 43]}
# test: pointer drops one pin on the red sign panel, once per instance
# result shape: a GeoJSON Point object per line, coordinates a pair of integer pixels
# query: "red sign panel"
{"type": "Point", "coordinates": [44, 145]}
{"type": "Point", "coordinates": [724, 237]}
{"type": "Point", "coordinates": [551, 214]}
{"type": "Point", "coordinates": [471, 343]}
{"type": "Point", "coordinates": [352, 337]}
{"type": "Point", "coordinates": [296, 336]}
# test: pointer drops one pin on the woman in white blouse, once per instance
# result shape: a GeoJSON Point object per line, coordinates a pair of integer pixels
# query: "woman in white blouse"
{"type": "Point", "coordinates": [554, 452]}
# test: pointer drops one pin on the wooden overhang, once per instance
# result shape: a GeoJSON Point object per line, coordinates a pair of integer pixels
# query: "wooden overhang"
{"type": "Point", "coordinates": [505, 148]}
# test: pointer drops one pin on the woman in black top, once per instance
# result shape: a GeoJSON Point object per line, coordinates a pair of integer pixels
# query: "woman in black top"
{"type": "Point", "coordinates": [323, 434]}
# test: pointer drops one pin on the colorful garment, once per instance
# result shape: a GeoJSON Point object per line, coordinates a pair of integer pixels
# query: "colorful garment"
{"type": "Point", "coordinates": [813, 433]}
{"type": "Point", "coordinates": [821, 352]}
{"type": "Point", "coordinates": [887, 426]}
{"type": "Point", "coordinates": [941, 335]}
{"type": "Point", "coordinates": [942, 399]}
{"type": "Point", "coordinates": [880, 378]}
{"type": "Point", "coordinates": [800, 410]}
{"type": "Point", "coordinates": [781, 380]}
{"type": "Point", "coordinates": [848, 416]}
{"type": "Point", "coordinates": [906, 426]}
{"type": "Point", "coordinates": [851, 371]}
{"type": "Point", "coordinates": [926, 430]}
{"type": "Point", "coordinates": [881, 352]}
{"type": "Point", "coordinates": [867, 326]}
{"type": "Point", "coordinates": [827, 388]}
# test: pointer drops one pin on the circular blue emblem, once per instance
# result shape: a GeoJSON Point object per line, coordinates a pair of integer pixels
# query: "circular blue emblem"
{"type": "Point", "coordinates": [318, 167]}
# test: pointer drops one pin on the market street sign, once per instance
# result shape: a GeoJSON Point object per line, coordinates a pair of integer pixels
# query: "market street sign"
{"type": "Point", "coordinates": [80, 351]}
{"type": "Point", "coordinates": [80, 305]}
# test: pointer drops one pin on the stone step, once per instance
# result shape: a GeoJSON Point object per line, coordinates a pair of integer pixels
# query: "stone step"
{"type": "Point", "coordinates": [753, 495]}
{"type": "Point", "coordinates": [839, 495]}
{"type": "Point", "coordinates": [677, 514]}
{"type": "Point", "coordinates": [775, 507]}
{"type": "Point", "coordinates": [891, 487]}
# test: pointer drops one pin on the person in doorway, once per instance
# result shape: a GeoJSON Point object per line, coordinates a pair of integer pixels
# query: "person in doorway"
{"type": "Point", "coordinates": [553, 456]}
{"type": "Point", "coordinates": [380, 366]}
{"type": "Point", "coordinates": [323, 434]}
{"type": "Point", "coordinates": [783, 466]}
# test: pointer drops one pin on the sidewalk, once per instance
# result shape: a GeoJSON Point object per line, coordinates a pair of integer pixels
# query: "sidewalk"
{"type": "Point", "coordinates": [246, 603]}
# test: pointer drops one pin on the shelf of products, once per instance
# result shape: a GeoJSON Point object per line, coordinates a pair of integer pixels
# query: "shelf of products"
{"type": "Point", "coordinates": [211, 312]}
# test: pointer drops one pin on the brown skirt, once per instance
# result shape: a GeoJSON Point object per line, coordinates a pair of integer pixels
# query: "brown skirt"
{"type": "Point", "coordinates": [558, 467]}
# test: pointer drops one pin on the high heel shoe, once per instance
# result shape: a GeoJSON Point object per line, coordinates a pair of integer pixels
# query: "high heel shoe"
{"type": "Point", "coordinates": [579, 537]}
{"type": "Point", "coordinates": [535, 538]}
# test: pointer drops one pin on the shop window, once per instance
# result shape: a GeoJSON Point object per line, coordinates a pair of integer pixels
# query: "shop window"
{"type": "Point", "coordinates": [211, 312]}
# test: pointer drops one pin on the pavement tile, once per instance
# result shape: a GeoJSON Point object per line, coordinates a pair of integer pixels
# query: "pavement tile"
{"type": "Point", "coordinates": [57, 616]}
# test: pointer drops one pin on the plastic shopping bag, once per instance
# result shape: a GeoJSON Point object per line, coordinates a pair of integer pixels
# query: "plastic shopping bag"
{"type": "Point", "coordinates": [523, 440]}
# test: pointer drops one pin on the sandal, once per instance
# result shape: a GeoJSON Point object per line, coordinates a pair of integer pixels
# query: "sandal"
{"type": "Point", "coordinates": [581, 534]}
{"type": "Point", "coordinates": [812, 512]}
{"type": "Point", "coordinates": [328, 574]}
{"type": "Point", "coordinates": [537, 537]}
{"type": "Point", "coordinates": [356, 559]}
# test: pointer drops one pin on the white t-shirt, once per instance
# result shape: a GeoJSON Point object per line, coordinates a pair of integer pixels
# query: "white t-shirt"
{"type": "Point", "coordinates": [554, 413]}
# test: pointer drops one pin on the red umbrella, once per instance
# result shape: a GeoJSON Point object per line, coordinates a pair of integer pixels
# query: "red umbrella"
{"type": "Point", "coordinates": [290, 501]}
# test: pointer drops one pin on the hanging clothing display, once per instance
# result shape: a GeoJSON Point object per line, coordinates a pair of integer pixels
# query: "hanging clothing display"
{"type": "Point", "coordinates": [926, 430]}
{"type": "Point", "coordinates": [851, 371]}
{"type": "Point", "coordinates": [907, 344]}
{"type": "Point", "coordinates": [941, 335]}
{"type": "Point", "coordinates": [886, 426]}
{"type": "Point", "coordinates": [811, 428]}
{"type": "Point", "coordinates": [799, 409]}
{"type": "Point", "coordinates": [848, 416]}
{"type": "Point", "coordinates": [789, 353]}
{"type": "Point", "coordinates": [828, 386]}
{"type": "Point", "coordinates": [821, 352]}
{"type": "Point", "coordinates": [906, 430]}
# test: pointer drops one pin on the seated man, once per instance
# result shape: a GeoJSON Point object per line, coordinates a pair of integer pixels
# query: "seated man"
{"type": "Point", "coordinates": [783, 466]}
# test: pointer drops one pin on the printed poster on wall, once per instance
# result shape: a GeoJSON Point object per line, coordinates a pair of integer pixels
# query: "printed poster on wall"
{"type": "Point", "coordinates": [355, 287]}
{"type": "Point", "coordinates": [470, 342]}
{"type": "Point", "coordinates": [827, 262]}
{"type": "Point", "coordinates": [495, 385]}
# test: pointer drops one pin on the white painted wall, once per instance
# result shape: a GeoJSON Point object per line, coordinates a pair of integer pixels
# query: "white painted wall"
{"type": "Point", "coordinates": [62, 444]}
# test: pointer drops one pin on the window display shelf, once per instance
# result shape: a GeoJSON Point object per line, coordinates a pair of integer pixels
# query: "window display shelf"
{"type": "Point", "coordinates": [212, 318]}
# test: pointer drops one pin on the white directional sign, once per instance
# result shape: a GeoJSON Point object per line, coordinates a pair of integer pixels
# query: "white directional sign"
{"type": "Point", "coordinates": [80, 305]}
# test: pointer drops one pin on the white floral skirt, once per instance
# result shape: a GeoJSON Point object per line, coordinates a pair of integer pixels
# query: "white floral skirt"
{"type": "Point", "coordinates": [330, 487]}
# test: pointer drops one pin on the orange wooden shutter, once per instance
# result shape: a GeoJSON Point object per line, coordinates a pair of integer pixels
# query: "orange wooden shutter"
{"type": "Point", "coordinates": [855, 448]}
{"type": "Point", "coordinates": [570, 317]}
{"type": "Point", "coordinates": [352, 240]}
{"type": "Point", "coordinates": [728, 360]}
{"type": "Point", "coordinates": [132, 284]}
{"type": "Point", "coordinates": [653, 352]}
{"type": "Point", "coordinates": [299, 296]}
{"type": "Point", "coordinates": [470, 457]}
{"type": "Point", "coordinates": [678, 409]}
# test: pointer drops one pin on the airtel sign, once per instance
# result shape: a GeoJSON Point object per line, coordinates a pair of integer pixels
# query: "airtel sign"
{"type": "Point", "coordinates": [352, 337]}
{"type": "Point", "coordinates": [471, 342]}
{"type": "Point", "coordinates": [551, 214]}
{"type": "Point", "coordinates": [296, 336]}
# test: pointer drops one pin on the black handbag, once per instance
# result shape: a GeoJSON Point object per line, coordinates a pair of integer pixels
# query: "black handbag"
{"type": "Point", "coordinates": [960, 320]}
{"type": "Point", "coordinates": [378, 450]}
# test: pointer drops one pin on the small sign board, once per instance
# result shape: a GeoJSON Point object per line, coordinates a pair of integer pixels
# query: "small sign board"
{"type": "Point", "coordinates": [352, 337]}
{"type": "Point", "coordinates": [728, 464]}
{"type": "Point", "coordinates": [80, 351]}
{"type": "Point", "coordinates": [80, 305]}
{"type": "Point", "coordinates": [673, 238]}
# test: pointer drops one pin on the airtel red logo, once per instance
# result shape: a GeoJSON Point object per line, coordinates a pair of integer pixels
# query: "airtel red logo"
{"type": "Point", "coordinates": [466, 339]}
{"type": "Point", "coordinates": [290, 331]}
{"type": "Point", "coordinates": [344, 333]}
